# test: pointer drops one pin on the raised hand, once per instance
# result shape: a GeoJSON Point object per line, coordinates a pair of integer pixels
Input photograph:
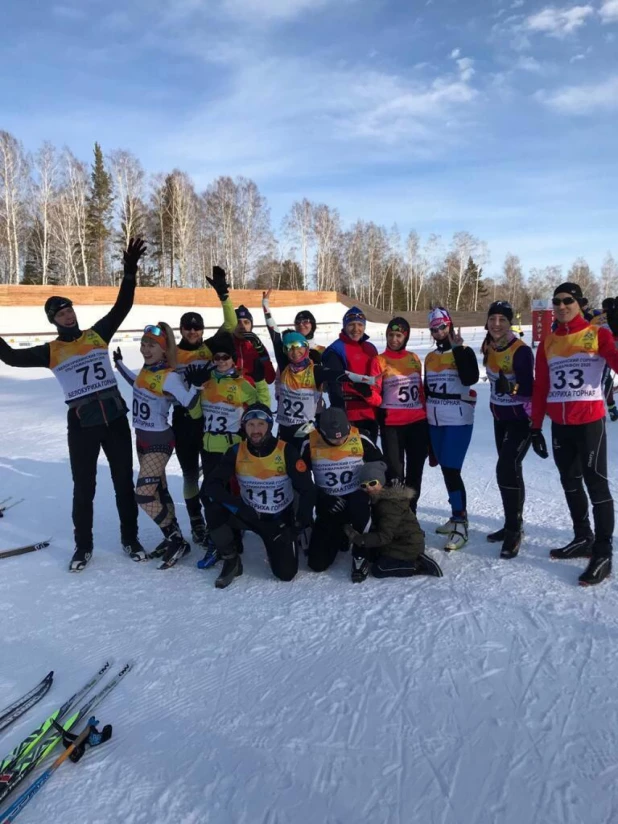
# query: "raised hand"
{"type": "Point", "coordinates": [219, 282]}
{"type": "Point", "coordinates": [117, 355]}
{"type": "Point", "coordinates": [197, 375]}
{"type": "Point", "coordinates": [134, 251]}
{"type": "Point", "coordinates": [455, 337]}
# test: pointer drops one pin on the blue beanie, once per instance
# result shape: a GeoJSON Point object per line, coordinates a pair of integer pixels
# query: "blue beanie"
{"type": "Point", "coordinates": [243, 312]}
{"type": "Point", "coordinates": [354, 314]}
{"type": "Point", "coordinates": [290, 336]}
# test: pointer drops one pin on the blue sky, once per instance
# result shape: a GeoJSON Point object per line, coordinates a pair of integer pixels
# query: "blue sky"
{"type": "Point", "coordinates": [499, 117]}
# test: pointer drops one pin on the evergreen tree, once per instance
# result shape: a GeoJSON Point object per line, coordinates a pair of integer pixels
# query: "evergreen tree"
{"type": "Point", "coordinates": [99, 217]}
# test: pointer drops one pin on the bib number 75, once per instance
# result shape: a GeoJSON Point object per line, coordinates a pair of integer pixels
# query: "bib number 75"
{"type": "Point", "coordinates": [98, 371]}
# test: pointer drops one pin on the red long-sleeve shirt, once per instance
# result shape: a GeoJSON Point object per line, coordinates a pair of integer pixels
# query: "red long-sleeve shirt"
{"type": "Point", "coordinates": [570, 411]}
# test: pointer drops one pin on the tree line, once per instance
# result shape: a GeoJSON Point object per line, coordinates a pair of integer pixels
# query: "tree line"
{"type": "Point", "coordinates": [65, 222]}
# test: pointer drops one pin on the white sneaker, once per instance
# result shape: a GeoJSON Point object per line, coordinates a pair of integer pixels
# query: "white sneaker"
{"type": "Point", "coordinates": [458, 536]}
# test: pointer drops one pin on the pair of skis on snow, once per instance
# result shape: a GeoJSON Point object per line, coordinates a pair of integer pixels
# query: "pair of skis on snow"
{"type": "Point", "coordinates": [5, 505]}
{"type": "Point", "coordinates": [33, 750]}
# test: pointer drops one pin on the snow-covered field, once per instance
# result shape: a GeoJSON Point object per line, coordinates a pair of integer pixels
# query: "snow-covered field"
{"type": "Point", "coordinates": [485, 697]}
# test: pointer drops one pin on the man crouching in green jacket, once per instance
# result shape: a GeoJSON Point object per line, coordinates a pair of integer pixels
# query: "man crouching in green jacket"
{"type": "Point", "coordinates": [395, 543]}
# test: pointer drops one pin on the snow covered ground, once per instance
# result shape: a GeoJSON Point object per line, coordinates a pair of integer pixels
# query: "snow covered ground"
{"type": "Point", "coordinates": [483, 697]}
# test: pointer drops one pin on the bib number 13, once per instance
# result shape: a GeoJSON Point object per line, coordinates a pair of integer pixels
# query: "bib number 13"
{"type": "Point", "coordinates": [98, 370]}
{"type": "Point", "coordinates": [573, 378]}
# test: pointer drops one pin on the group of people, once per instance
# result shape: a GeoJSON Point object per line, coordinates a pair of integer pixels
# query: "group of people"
{"type": "Point", "coordinates": [338, 476]}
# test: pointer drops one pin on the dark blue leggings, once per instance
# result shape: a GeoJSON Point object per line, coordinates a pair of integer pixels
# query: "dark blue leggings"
{"type": "Point", "coordinates": [449, 445]}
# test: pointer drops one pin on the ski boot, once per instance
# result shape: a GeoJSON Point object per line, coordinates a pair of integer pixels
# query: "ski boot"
{"type": "Point", "coordinates": [232, 568]}
{"type": "Point", "coordinates": [177, 547]}
{"type": "Point", "coordinates": [159, 550]}
{"type": "Point", "coordinates": [496, 537]}
{"type": "Point", "coordinates": [446, 528]}
{"type": "Point", "coordinates": [80, 559]}
{"type": "Point", "coordinates": [135, 550]}
{"type": "Point", "coordinates": [511, 544]}
{"type": "Point", "coordinates": [458, 536]}
{"type": "Point", "coordinates": [579, 547]}
{"type": "Point", "coordinates": [598, 569]}
{"type": "Point", "coordinates": [613, 412]}
{"type": "Point", "coordinates": [211, 557]}
{"type": "Point", "coordinates": [360, 569]}
{"type": "Point", "coordinates": [199, 531]}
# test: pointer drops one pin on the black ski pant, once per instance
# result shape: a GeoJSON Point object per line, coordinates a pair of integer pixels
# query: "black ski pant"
{"type": "Point", "coordinates": [189, 436]}
{"type": "Point", "coordinates": [278, 541]}
{"type": "Point", "coordinates": [580, 453]}
{"type": "Point", "coordinates": [512, 443]}
{"type": "Point", "coordinates": [405, 450]}
{"type": "Point", "coordinates": [85, 444]}
{"type": "Point", "coordinates": [327, 536]}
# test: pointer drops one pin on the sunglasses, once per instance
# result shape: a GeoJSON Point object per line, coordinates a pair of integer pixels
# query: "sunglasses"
{"type": "Point", "coordinates": [440, 328]}
{"type": "Point", "coordinates": [257, 415]}
{"type": "Point", "coordinates": [560, 301]}
{"type": "Point", "coordinates": [294, 345]}
{"type": "Point", "coordinates": [221, 356]}
{"type": "Point", "coordinates": [193, 327]}
{"type": "Point", "coordinates": [369, 484]}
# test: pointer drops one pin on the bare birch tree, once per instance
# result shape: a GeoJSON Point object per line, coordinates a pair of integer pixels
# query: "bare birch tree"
{"type": "Point", "coordinates": [13, 184]}
{"type": "Point", "coordinates": [298, 227]}
{"type": "Point", "coordinates": [43, 194]}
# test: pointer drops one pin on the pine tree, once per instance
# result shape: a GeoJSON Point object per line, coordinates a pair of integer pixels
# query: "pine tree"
{"type": "Point", "coordinates": [99, 216]}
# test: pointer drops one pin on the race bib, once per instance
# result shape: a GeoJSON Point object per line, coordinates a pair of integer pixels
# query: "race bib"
{"type": "Point", "coordinates": [296, 406]}
{"type": "Point", "coordinates": [82, 375]}
{"type": "Point", "coordinates": [576, 378]}
{"type": "Point", "coordinates": [267, 495]}
{"type": "Point", "coordinates": [150, 411]}
{"type": "Point", "coordinates": [221, 418]}
{"type": "Point", "coordinates": [337, 477]}
{"type": "Point", "coordinates": [402, 392]}
{"type": "Point", "coordinates": [446, 382]}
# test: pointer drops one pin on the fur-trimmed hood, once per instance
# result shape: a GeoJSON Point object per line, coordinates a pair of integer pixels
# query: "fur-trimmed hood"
{"type": "Point", "coordinates": [396, 493]}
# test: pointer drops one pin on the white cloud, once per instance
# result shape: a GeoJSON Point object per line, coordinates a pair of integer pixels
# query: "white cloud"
{"type": "Point", "coordinates": [271, 9]}
{"type": "Point", "coordinates": [465, 65]}
{"type": "Point", "coordinates": [528, 64]}
{"type": "Point", "coordinates": [583, 99]}
{"type": "Point", "coordinates": [517, 4]}
{"type": "Point", "coordinates": [609, 11]}
{"type": "Point", "coordinates": [577, 57]}
{"type": "Point", "coordinates": [559, 22]}
{"type": "Point", "coordinates": [456, 53]}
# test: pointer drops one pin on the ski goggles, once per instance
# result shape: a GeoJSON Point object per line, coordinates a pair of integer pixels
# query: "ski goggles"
{"type": "Point", "coordinates": [157, 333]}
{"type": "Point", "coordinates": [395, 327]}
{"type": "Point", "coordinates": [257, 415]}
{"type": "Point", "coordinates": [565, 301]}
{"type": "Point", "coordinates": [439, 328]}
{"type": "Point", "coordinates": [369, 484]}
{"type": "Point", "coordinates": [295, 344]}
{"type": "Point", "coordinates": [355, 318]}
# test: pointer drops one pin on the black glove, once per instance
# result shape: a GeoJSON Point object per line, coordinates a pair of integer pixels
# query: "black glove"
{"type": "Point", "coordinates": [538, 443]}
{"type": "Point", "coordinates": [336, 505]}
{"type": "Point", "coordinates": [353, 535]}
{"type": "Point", "coordinates": [117, 355]}
{"type": "Point", "coordinates": [134, 251]}
{"type": "Point", "coordinates": [257, 373]}
{"type": "Point", "coordinates": [197, 375]}
{"type": "Point", "coordinates": [256, 343]}
{"type": "Point", "coordinates": [503, 387]}
{"type": "Point", "coordinates": [219, 283]}
{"type": "Point", "coordinates": [363, 389]}
{"type": "Point", "coordinates": [612, 317]}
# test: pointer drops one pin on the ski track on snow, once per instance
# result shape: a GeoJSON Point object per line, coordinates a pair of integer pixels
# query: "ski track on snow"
{"type": "Point", "coordinates": [483, 697]}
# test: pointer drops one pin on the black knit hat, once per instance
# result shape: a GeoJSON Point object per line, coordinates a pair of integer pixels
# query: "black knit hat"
{"type": "Point", "coordinates": [573, 289]}
{"type": "Point", "coordinates": [54, 305]}
{"type": "Point", "coordinates": [222, 342]}
{"type": "Point", "coordinates": [243, 312]}
{"type": "Point", "coordinates": [305, 314]}
{"type": "Point", "coordinates": [191, 320]}
{"type": "Point", "coordinates": [501, 307]}
{"type": "Point", "coordinates": [399, 325]}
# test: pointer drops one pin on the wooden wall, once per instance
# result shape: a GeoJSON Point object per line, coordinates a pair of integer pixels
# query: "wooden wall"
{"type": "Point", "coordinates": [93, 295]}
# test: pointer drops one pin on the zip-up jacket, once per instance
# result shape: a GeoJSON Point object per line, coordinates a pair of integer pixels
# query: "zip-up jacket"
{"type": "Point", "coordinates": [568, 383]}
{"type": "Point", "coordinates": [359, 357]}
{"type": "Point", "coordinates": [403, 393]}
